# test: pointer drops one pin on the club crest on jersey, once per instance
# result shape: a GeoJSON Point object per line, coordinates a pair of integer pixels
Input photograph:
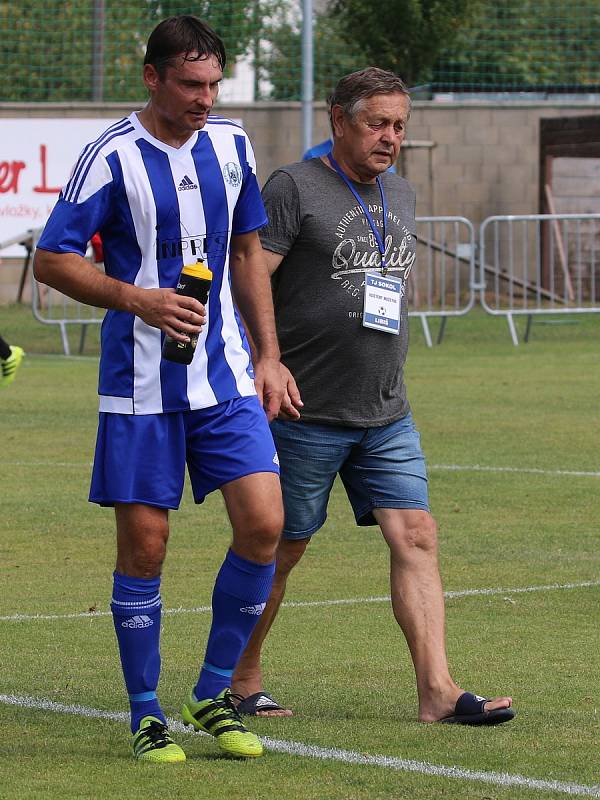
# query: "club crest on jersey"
{"type": "Point", "coordinates": [232, 173]}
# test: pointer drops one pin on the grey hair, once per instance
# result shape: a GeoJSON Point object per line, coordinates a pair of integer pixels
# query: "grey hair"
{"type": "Point", "coordinates": [352, 90]}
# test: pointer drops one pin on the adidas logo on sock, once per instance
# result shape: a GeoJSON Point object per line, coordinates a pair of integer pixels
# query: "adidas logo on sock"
{"type": "Point", "coordinates": [257, 609]}
{"type": "Point", "coordinates": [141, 621]}
{"type": "Point", "coordinates": [186, 183]}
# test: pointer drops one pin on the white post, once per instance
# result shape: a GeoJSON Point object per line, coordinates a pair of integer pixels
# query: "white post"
{"type": "Point", "coordinates": [98, 51]}
{"type": "Point", "coordinates": [307, 74]}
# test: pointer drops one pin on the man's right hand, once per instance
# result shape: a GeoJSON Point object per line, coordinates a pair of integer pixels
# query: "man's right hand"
{"type": "Point", "coordinates": [73, 275]}
{"type": "Point", "coordinates": [175, 314]}
{"type": "Point", "coordinates": [292, 402]}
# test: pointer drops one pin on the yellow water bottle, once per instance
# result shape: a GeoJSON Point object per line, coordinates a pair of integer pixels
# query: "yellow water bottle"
{"type": "Point", "coordinates": [194, 281]}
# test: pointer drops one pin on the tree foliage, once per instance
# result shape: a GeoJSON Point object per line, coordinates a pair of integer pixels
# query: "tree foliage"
{"type": "Point", "coordinates": [404, 36]}
{"type": "Point", "coordinates": [281, 62]}
{"type": "Point", "coordinates": [130, 22]}
{"type": "Point", "coordinates": [525, 43]}
{"type": "Point", "coordinates": [46, 48]}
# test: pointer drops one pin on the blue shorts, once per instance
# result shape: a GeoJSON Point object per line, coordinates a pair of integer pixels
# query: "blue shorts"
{"type": "Point", "coordinates": [141, 458]}
{"type": "Point", "coordinates": [381, 467]}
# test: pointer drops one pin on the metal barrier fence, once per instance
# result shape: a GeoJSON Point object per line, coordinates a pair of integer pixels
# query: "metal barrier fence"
{"type": "Point", "coordinates": [539, 264]}
{"type": "Point", "coordinates": [51, 307]}
{"type": "Point", "coordinates": [443, 284]}
{"type": "Point", "coordinates": [528, 265]}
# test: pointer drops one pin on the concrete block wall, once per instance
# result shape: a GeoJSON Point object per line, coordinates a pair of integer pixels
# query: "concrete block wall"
{"type": "Point", "coordinates": [485, 159]}
{"type": "Point", "coordinates": [484, 162]}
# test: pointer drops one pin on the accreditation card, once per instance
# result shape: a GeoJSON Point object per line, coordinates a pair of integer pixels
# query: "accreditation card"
{"type": "Point", "coordinates": [383, 298]}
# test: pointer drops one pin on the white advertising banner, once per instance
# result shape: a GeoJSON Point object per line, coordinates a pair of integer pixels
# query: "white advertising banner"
{"type": "Point", "coordinates": [36, 158]}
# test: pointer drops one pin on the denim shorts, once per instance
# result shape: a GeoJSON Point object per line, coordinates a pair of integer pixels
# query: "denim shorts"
{"type": "Point", "coordinates": [142, 458]}
{"type": "Point", "coordinates": [381, 467]}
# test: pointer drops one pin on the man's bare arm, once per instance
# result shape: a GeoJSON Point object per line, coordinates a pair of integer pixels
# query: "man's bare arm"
{"type": "Point", "coordinates": [252, 292]}
{"type": "Point", "coordinates": [291, 402]}
{"type": "Point", "coordinates": [273, 260]}
{"type": "Point", "coordinates": [176, 315]}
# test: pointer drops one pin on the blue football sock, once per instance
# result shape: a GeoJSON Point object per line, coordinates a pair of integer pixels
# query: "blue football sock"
{"type": "Point", "coordinates": [241, 590]}
{"type": "Point", "coordinates": [136, 609]}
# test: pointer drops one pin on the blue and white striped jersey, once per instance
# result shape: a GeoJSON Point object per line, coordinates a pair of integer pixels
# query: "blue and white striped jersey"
{"type": "Point", "coordinates": [157, 208]}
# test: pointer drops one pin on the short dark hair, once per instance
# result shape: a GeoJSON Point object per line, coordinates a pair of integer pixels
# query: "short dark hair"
{"type": "Point", "coordinates": [353, 89]}
{"type": "Point", "coordinates": [184, 34]}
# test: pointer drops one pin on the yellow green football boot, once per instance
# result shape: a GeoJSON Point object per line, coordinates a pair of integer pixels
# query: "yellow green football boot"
{"type": "Point", "coordinates": [219, 717]}
{"type": "Point", "coordinates": [152, 742]}
{"type": "Point", "coordinates": [9, 366]}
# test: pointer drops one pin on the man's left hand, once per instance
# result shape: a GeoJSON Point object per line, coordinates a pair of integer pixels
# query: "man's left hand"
{"type": "Point", "coordinates": [269, 386]}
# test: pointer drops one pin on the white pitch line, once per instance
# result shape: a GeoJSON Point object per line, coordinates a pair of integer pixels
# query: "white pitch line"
{"type": "Point", "coordinates": [440, 467]}
{"type": "Point", "coordinates": [335, 754]}
{"type": "Point", "coordinates": [351, 601]}
{"type": "Point", "coordinates": [530, 470]}
{"type": "Point", "coordinates": [522, 589]}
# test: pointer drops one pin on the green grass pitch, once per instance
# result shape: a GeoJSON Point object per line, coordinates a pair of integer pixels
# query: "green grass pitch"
{"type": "Point", "coordinates": [512, 440]}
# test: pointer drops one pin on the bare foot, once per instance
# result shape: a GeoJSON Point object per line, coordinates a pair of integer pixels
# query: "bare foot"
{"type": "Point", "coordinates": [275, 712]}
{"type": "Point", "coordinates": [440, 707]}
{"type": "Point", "coordinates": [258, 703]}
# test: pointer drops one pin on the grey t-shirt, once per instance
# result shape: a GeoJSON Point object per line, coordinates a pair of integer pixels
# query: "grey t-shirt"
{"type": "Point", "coordinates": [347, 374]}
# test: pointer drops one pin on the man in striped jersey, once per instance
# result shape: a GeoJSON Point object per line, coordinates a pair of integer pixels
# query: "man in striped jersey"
{"type": "Point", "coordinates": [168, 186]}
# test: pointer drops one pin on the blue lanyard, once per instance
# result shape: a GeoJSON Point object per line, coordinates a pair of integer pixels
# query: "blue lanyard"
{"type": "Point", "coordinates": [380, 241]}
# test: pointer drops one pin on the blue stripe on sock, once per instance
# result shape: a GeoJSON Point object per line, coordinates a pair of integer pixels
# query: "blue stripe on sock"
{"type": "Point", "coordinates": [226, 673]}
{"type": "Point", "coordinates": [141, 697]}
{"type": "Point", "coordinates": [241, 590]}
{"type": "Point", "coordinates": [136, 609]}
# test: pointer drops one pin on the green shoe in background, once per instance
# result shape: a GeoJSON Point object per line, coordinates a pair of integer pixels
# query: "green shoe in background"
{"type": "Point", "coordinates": [10, 365]}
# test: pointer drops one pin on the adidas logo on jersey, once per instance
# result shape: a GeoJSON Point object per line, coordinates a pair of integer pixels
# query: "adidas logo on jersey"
{"type": "Point", "coordinates": [186, 183]}
{"type": "Point", "coordinates": [257, 609]}
{"type": "Point", "coordinates": [141, 621]}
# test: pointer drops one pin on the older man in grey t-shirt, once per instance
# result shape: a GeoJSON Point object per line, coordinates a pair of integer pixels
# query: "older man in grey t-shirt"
{"type": "Point", "coordinates": [340, 245]}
